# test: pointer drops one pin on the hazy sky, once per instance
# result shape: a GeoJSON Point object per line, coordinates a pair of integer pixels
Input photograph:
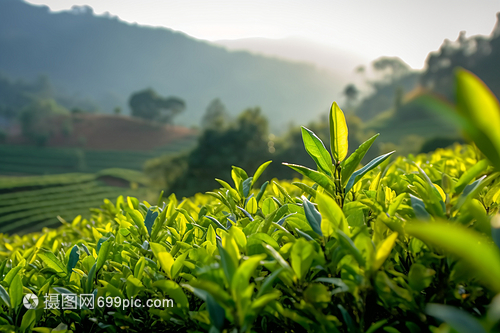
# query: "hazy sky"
{"type": "Point", "coordinates": [370, 28]}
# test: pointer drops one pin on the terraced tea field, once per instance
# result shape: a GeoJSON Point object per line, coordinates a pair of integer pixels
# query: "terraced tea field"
{"type": "Point", "coordinates": [29, 160]}
{"type": "Point", "coordinates": [33, 202]}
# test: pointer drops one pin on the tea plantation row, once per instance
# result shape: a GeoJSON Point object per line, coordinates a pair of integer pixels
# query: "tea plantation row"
{"type": "Point", "coordinates": [47, 160]}
{"type": "Point", "coordinates": [29, 203]}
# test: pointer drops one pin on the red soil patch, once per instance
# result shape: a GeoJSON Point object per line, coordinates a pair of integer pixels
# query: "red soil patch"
{"type": "Point", "coordinates": [112, 132]}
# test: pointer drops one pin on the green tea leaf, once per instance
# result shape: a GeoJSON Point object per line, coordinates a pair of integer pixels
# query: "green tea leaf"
{"type": "Point", "coordinates": [254, 243]}
{"type": "Point", "coordinates": [164, 257]}
{"type": "Point", "coordinates": [150, 220]}
{"type": "Point", "coordinates": [4, 296]}
{"type": "Point", "coordinates": [28, 321]}
{"type": "Point", "coordinates": [316, 149]}
{"type": "Point", "coordinates": [217, 223]}
{"type": "Point", "coordinates": [267, 285]}
{"type": "Point", "coordinates": [307, 189]}
{"type": "Point", "coordinates": [133, 286]}
{"type": "Point", "coordinates": [216, 312]}
{"type": "Point", "coordinates": [247, 186]}
{"type": "Point", "coordinates": [210, 288]}
{"type": "Point", "coordinates": [261, 191]}
{"type": "Point", "coordinates": [178, 264]}
{"type": "Point", "coordinates": [251, 206]}
{"type": "Point", "coordinates": [14, 271]}
{"type": "Point", "coordinates": [332, 217]}
{"type": "Point", "coordinates": [90, 278]}
{"type": "Point", "coordinates": [348, 320]}
{"type": "Point", "coordinates": [469, 192]}
{"type": "Point", "coordinates": [51, 261]}
{"type": "Point", "coordinates": [482, 110]}
{"type": "Point", "coordinates": [356, 176]}
{"type": "Point", "coordinates": [262, 301]}
{"type": "Point", "coordinates": [302, 256]}
{"type": "Point", "coordinates": [303, 234]}
{"type": "Point", "coordinates": [227, 263]}
{"type": "Point", "coordinates": [352, 162]}
{"type": "Point", "coordinates": [269, 206]}
{"type": "Point", "coordinates": [384, 250]}
{"type": "Point", "coordinates": [16, 291]}
{"type": "Point", "coordinates": [349, 245]}
{"type": "Point", "coordinates": [243, 273]}
{"type": "Point", "coordinates": [317, 293]}
{"type": "Point", "coordinates": [312, 216]}
{"type": "Point", "coordinates": [173, 290]}
{"type": "Point", "coordinates": [259, 172]}
{"type": "Point", "coordinates": [419, 208]}
{"type": "Point", "coordinates": [338, 133]}
{"type": "Point", "coordinates": [139, 268]}
{"type": "Point", "coordinates": [315, 176]}
{"type": "Point", "coordinates": [458, 319]}
{"type": "Point", "coordinates": [103, 253]}
{"type": "Point", "coordinates": [420, 277]}
{"type": "Point", "coordinates": [73, 259]}
{"type": "Point", "coordinates": [470, 174]}
{"type": "Point", "coordinates": [478, 252]}
{"type": "Point", "coordinates": [278, 258]}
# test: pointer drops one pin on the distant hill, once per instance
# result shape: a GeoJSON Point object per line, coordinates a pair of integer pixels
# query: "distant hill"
{"type": "Point", "coordinates": [105, 59]}
{"type": "Point", "coordinates": [339, 61]}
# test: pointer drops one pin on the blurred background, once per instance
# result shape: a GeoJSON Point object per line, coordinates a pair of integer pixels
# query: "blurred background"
{"type": "Point", "coordinates": [105, 98]}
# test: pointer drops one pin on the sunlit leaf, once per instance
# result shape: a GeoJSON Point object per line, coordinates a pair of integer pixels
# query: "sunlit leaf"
{"type": "Point", "coordinates": [313, 216]}
{"type": "Point", "coordinates": [357, 175]}
{"type": "Point", "coordinates": [338, 133]}
{"type": "Point", "coordinates": [459, 320]}
{"type": "Point", "coordinates": [478, 252]}
{"type": "Point", "coordinates": [352, 162]}
{"type": "Point", "coordinates": [315, 176]}
{"type": "Point", "coordinates": [384, 250]}
{"type": "Point", "coordinates": [163, 256]}
{"type": "Point", "coordinates": [482, 110]}
{"type": "Point", "coordinates": [316, 149]}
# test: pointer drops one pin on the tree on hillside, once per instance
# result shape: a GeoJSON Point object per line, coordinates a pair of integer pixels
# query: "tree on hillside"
{"type": "Point", "coordinates": [16, 95]}
{"type": "Point", "coordinates": [243, 142]}
{"type": "Point", "coordinates": [351, 93]}
{"type": "Point", "coordinates": [215, 117]}
{"type": "Point", "coordinates": [147, 104]}
{"type": "Point", "coordinates": [39, 120]}
{"type": "Point", "coordinates": [391, 68]}
{"type": "Point", "coordinates": [479, 54]}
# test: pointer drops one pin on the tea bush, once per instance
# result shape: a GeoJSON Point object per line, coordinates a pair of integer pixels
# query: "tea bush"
{"type": "Point", "coordinates": [408, 245]}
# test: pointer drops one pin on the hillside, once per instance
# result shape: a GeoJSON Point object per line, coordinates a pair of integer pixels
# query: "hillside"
{"type": "Point", "coordinates": [110, 132]}
{"type": "Point", "coordinates": [105, 59]}
{"type": "Point", "coordinates": [96, 142]}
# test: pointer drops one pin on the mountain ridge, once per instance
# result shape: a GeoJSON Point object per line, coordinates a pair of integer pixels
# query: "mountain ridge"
{"type": "Point", "coordinates": [107, 59]}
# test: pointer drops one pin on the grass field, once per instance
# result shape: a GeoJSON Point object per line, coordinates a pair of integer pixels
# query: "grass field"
{"type": "Point", "coordinates": [33, 202]}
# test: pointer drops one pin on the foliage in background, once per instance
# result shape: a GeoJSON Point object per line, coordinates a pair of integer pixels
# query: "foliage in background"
{"type": "Point", "coordinates": [41, 118]}
{"type": "Point", "coordinates": [15, 95]}
{"type": "Point", "coordinates": [245, 142]}
{"type": "Point", "coordinates": [147, 104]}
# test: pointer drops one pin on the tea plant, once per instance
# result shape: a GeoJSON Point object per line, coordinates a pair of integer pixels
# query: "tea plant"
{"type": "Point", "coordinates": [408, 245]}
